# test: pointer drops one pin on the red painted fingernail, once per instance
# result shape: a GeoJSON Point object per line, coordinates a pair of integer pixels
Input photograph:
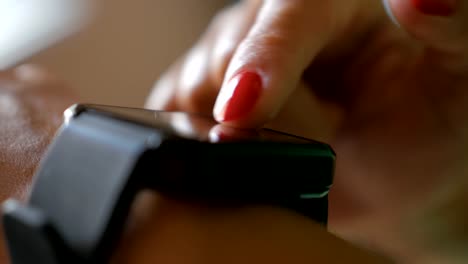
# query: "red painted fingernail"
{"type": "Point", "coordinates": [436, 7]}
{"type": "Point", "coordinates": [240, 96]}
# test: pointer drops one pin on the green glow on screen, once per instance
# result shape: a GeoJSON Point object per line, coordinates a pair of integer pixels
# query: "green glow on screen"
{"type": "Point", "coordinates": [313, 195]}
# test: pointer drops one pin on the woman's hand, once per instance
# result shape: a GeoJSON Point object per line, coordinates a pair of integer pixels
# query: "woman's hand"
{"type": "Point", "coordinates": [391, 100]}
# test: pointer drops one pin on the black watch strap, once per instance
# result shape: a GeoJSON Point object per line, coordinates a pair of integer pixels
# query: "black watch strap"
{"type": "Point", "coordinates": [98, 162]}
{"type": "Point", "coordinates": [85, 203]}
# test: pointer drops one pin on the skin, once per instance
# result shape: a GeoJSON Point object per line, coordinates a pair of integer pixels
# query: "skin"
{"type": "Point", "coordinates": [398, 127]}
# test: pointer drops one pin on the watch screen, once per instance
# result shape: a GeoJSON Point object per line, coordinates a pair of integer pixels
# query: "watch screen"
{"type": "Point", "coordinates": [192, 126]}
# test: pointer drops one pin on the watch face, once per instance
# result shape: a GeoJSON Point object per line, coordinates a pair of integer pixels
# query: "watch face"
{"type": "Point", "coordinates": [289, 165]}
{"type": "Point", "coordinates": [191, 126]}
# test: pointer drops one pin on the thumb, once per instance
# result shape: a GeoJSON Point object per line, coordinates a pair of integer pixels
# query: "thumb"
{"type": "Point", "coordinates": [441, 25]}
{"type": "Point", "coordinates": [268, 64]}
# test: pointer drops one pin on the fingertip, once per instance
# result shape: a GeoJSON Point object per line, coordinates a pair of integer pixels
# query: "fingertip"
{"type": "Point", "coordinates": [238, 97]}
{"type": "Point", "coordinates": [268, 63]}
{"type": "Point", "coordinates": [196, 90]}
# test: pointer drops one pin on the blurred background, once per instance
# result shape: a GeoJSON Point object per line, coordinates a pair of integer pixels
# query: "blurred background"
{"type": "Point", "coordinates": [120, 55]}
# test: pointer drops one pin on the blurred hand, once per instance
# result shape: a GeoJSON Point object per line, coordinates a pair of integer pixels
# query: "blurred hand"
{"type": "Point", "coordinates": [391, 100]}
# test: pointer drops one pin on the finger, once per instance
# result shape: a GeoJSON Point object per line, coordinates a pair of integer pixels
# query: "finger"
{"type": "Point", "coordinates": [204, 69]}
{"type": "Point", "coordinates": [441, 25]}
{"type": "Point", "coordinates": [176, 87]}
{"type": "Point", "coordinates": [235, 22]}
{"type": "Point", "coordinates": [162, 96]}
{"type": "Point", "coordinates": [195, 86]}
{"type": "Point", "coordinates": [193, 83]}
{"type": "Point", "coordinates": [269, 62]}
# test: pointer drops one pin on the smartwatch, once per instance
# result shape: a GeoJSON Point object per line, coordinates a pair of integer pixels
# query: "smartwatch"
{"type": "Point", "coordinates": [103, 156]}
